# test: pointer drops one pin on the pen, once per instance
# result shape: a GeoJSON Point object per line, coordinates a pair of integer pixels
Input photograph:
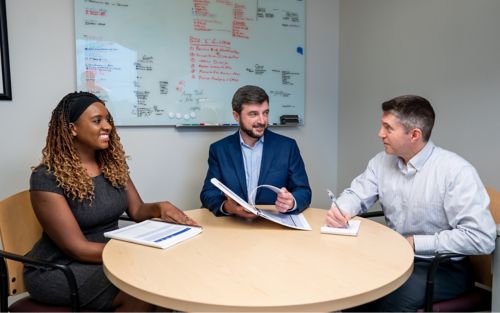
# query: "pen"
{"type": "Point", "coordinates": [334, 201]}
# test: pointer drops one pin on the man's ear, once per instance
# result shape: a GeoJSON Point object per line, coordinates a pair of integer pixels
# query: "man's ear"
{"type": "Point", "coordinates": [236, 116]}
{"type": "Point", "coordinates": [416, 134]}
{"type": "Point", "coordinates": [72, 129]}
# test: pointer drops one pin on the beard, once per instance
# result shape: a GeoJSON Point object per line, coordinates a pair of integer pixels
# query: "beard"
{"type": "Point", "coordinates": [250, 132]}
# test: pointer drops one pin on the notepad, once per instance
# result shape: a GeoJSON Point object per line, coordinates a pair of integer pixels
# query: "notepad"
{"type": "Point", "coordinates": [352, 230]}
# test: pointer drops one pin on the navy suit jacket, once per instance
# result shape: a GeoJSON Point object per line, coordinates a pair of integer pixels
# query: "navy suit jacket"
{"type": "Point", "coordinates": [281, 166]}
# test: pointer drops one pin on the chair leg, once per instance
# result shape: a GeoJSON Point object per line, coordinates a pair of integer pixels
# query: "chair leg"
{"type": "Point", "coordinates": [4, 286]}
{"type": "Point", "coordinates": [429, 288]}
{"type": "Point", "coordinates": [431, 277]}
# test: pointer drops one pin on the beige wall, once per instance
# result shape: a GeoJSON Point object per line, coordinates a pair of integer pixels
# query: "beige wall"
{"type": "Point", "coordinates": [166, 163]}
{"type": "Point", "coordinates": [445, 50]}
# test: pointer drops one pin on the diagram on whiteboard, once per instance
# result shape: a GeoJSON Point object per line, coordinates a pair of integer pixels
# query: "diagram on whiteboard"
{"type": "Point", "coordinates": [178, 62]}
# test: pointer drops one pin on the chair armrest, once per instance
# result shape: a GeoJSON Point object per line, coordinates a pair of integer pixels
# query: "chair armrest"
{"type": "Point", "coordinates": [439, 258]}
{"type": "Point", "coordinates": [371, 214]}
{"type": "Point", "coordinates": [4, 276]}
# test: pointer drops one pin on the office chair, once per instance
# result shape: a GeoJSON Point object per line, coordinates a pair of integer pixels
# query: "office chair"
{"type": "Point", "coordinates": [19, 231]}
{"type": "Point", "coordinates": [478, 298]}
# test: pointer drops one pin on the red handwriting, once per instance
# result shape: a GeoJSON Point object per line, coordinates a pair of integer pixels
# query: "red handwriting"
{"type": "Point", "coordinates": [211, 59]}
{"type": "Point", "coordinates": [92, 12]}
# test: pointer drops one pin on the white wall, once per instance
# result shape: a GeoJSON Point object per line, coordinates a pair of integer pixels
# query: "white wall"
{"type": "Point", "coordinates": [445, 50]}
{"type": "Point", "coordinates": [166, 163]}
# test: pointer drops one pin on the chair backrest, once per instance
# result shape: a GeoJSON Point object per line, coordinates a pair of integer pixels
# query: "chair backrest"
{"type": "Point", "coordinates": [482, 263]}
{"type": "Point", "coordinates": [494, 203]}
{"type": "Point", "coordinates": [19, 231]}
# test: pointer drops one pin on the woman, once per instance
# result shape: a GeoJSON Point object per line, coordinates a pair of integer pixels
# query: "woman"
{"type": "Point", "coordinates": [78, 192]}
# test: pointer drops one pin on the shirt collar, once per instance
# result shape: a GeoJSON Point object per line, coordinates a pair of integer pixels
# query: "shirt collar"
{"type": "Point", "coordinates": [417, 162]}
{"type": "Point", "coordinates": [260, 141]}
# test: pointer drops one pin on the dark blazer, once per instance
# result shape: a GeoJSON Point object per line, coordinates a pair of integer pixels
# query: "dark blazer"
{"type": "Point", "coordinates": [281, 166]}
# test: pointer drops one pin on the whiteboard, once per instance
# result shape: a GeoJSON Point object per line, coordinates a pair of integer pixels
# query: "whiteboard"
{"type": "Point", "coordinates": [179, 62]}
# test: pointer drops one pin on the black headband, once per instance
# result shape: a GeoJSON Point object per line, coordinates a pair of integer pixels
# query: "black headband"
{"type": "Point", "coordinates": [78, 105]}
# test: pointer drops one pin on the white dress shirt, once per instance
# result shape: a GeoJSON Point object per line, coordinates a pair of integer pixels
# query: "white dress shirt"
{"type": "Point", "coordinates": [437, 197]}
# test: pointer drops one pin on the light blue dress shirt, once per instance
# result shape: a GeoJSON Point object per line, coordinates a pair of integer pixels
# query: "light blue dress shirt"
{"type": "Point", "coordinates": [437, 197]}
{"type": "Point", "coordinates": [252, 158]}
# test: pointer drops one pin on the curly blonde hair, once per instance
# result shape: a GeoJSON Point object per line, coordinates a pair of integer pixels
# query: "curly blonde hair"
{"type": "Point", "coordinates": [61, 158]}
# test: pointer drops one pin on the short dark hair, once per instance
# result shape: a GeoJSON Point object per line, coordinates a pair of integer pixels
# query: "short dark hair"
{"type": "Point", "coordinates": [248, 94]}
{"type": "Point", "coordinates": [413, 112]}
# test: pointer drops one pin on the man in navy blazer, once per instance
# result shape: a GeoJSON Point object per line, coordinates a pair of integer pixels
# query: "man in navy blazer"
{"type": "Point", "coordinates": [254, 156]}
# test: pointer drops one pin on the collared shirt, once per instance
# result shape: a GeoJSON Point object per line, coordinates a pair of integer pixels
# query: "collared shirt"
{"type": "Point", "coordinates": [438, 198]}
{"type": "Point", "coordinates": [252, 158]}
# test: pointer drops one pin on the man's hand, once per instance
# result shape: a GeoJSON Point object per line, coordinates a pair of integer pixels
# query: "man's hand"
{"type": "Point", "coordinates": [336, 219]}
{"type": "Point", "coordinates": [411, 241]}
{"type": "Point", "coordinates": [285, 201]}
{"type": "Point", "coordinates": [233, 208]}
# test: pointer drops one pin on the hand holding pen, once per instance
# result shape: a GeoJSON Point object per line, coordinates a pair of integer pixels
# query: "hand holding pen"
{"type": "Point", "coordinates": [335, 217]}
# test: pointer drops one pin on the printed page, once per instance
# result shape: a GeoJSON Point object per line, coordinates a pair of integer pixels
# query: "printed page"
{"type": "Point", "coordinates": [155, 233]}
{"type": "Point", "coordinates": [297, 221]}
{"type": "Point", "coordinates": [352, 230]}
{"type": "Point", "coordinates": [228, 192]}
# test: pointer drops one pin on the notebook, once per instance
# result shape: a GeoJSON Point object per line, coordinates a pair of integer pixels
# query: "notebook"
{"type": "Point", "coordinates": [352, 230]}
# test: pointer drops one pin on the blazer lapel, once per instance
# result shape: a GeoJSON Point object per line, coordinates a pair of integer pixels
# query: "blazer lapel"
{"type": "Point", "coordinates": [237, 159]}
{"type": "Point", "coordinates": [267, 157]}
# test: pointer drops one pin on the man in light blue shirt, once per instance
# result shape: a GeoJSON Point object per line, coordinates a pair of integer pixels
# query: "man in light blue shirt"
{"type": "Point", "coordinates": [431, 196]}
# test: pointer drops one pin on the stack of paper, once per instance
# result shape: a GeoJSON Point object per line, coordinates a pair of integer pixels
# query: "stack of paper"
{"type": "Point", "coordinates": [154, 233]}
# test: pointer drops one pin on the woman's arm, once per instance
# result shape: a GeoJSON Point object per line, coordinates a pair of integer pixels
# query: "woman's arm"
{"type": "Point", "coordinates": [57, 220]}
{"type": "Point", "coordinates": [139, 211]}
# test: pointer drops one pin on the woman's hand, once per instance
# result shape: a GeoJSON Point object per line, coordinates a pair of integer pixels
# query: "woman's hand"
{"type": "Point", "coordinates": [170, 213]}
{"type": "Point", "coordinates": [140, 211]}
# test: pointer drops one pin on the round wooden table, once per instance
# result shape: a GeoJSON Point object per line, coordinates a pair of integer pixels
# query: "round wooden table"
{"type": "Point", "coordinates": [236, 265]}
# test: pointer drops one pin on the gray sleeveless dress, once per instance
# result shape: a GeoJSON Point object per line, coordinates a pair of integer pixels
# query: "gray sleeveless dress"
{"type": "Point", "coordinates": [95, 290]}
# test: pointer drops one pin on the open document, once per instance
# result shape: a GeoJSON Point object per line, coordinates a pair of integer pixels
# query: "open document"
{"type": "Point", "coordinates": [154, 233]}
{"type": "Point", "coordinates": [297, 221]}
